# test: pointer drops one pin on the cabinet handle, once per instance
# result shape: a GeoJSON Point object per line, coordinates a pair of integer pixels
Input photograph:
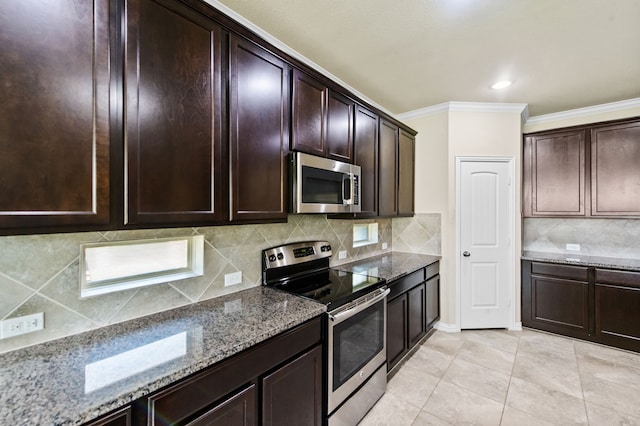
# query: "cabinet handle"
{"type": "Point", "coordinates": [466, 254]}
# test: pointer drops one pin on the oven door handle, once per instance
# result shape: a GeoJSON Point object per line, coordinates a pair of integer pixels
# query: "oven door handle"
{"type": "Point", "coordinates": [349, 312]}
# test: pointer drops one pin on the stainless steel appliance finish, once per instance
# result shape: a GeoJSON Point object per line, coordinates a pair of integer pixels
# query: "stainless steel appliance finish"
{"type": "Point", "coordinates": [321, 185]}
{"type": "Point", "coordinates": [357, 344]}
{"type": "Point", "coordinates": [356, 323]}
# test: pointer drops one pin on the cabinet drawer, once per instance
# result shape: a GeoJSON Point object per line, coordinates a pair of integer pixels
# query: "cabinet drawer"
{"type": "Point", "coordinates": [564, 271]}
{"type": "Point", "coordinates": [630, 279]}
{"type": "Point", "coordinates": [406, 283]}
{"type": "Point", "coordinates": [432, 270]}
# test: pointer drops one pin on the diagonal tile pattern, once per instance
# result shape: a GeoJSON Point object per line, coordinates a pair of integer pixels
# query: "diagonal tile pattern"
{"type": "Point", "coordinates": [499, 377]}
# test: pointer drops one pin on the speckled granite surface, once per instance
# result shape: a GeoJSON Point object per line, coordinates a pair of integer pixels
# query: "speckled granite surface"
{"type": "Point", "coordinates": [389, 266]}
{"type": "Point", "coordinates": [581, 260]}
{"type": "Point", "coordinates": [76, 379]}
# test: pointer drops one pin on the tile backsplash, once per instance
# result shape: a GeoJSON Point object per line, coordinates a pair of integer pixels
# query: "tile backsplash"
{"type": "Point", "coordinates": [619, 238]}
{"type": "Point", "coordinates": [40, 273]}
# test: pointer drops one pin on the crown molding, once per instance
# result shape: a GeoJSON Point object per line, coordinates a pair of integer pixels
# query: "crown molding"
{"type": "Point", "coordinates": [584, 112]}
{"type": "Point", "coordinates": [522, 109]}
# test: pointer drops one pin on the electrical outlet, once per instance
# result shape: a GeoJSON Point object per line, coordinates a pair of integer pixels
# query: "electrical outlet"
{"type": "Point", "coordinates": [573, 247]}
{"type": "Point", "coordinates": [385, 246]}
{"type": "Point", "coordinates": [342, 254]}
{"type": "Point", "coordinates": [21, 325]}
{"type": "Point", "coordinates": [233, 278]}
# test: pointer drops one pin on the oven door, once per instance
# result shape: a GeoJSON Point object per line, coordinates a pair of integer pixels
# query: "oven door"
{"type": "Point", "coordinates": [357, 344]}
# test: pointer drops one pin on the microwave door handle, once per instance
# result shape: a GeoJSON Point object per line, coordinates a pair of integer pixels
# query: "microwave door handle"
{"type": "Point", "coordinates": [345, 178]}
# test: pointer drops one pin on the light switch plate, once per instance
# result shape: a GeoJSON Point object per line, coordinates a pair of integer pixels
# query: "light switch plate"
{"type": "Point", "coordinates": [233, 278]}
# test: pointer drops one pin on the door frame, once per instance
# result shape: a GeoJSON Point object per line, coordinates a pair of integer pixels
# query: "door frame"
{"type": "Point", "coordinates": [511, 162]}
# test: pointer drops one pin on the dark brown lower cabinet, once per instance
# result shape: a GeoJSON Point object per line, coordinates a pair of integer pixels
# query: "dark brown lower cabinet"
{"type": "Point", "coordinates": [557, 299]}
{"type": "Point", "coordinates": [276, 382]}
{"type": "Point", "coordinates": [617, 308]}
{"type": "Point", "coordinates": [417, 325]}
{"type": "Point", "coordinates": [120, 417]}
{"type": "Point", "coordinates": [239, 409]}
{"type": "Point", "coordinates": [594, 304]}
{"type": "Point", "coordinates": [396, 330]}
{"type": "Point", "coordinates": [412, 310]}
{"type": "Point", "coordinates": [292, 395]}
{"type": "Point", "coordinates": [433, 299]}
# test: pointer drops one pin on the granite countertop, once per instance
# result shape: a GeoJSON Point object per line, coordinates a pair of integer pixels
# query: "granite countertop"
{"type": "Point", "coordinates": [583, 260]}
{"type": "Point", "coordinates": [390, 266]}
{"type": "Point", "coordinates": [78, 378]}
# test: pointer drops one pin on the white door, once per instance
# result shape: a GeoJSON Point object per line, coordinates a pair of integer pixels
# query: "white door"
{"type": "Point", "coordinates": [485, 231]}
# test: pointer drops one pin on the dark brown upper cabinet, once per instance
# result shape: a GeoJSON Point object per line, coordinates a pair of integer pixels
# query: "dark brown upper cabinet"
{"type": "Point", "coordinates": [366, 156]}
{"type": "Point", "coordinates": [322, 119]}
{"type": "Point", "coordinates": [388, 169]}
{"type": "Point", "coordinates": [259, 132]}
{"type": "Point", "coordinates": [586, 171]}
{"type": "Point", "coordinates": [406, 173]}
{"type": "Point", "coordinates": [396, 170]}
{"type": "Point", "coordinates": [615, 170]}
{"type": "Point", "coordinates": [54, 114]}
{"type": "Point", "coordinates": [555, 174]}
{"type": "Point", "coordinates": [175, 164]}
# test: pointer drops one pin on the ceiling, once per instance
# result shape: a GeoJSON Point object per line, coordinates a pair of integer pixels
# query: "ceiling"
{"type": "Point", "coordinates": [410, 54]}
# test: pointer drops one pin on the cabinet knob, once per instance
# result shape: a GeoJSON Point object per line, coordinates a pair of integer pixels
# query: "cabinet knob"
{"type": "Point", "coordinates": [466, 254]}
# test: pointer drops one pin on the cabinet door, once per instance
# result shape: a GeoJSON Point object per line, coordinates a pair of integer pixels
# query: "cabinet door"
{"type": "Point", "coordinates": [388, 169]}
{"type": "Point", "coordinates": [617, 308]}
{"type": "Point", "coordinates": [121, 417]}
{"type": "Point", "coordinates": [406, 173]}
{"type": "Point", "coordinates": [292, 395]}
{"type": "Point", "coordinates": [556, 298]}
{"type": "Point", "coordinates": [309, 100]}
{"type": "Point", "coordinates": [396, 330]}
{"type": "Point", "coordinates": [615, 170]}
{"type": "Point", "coordinates": [554, 174]}
{"type": "Point", "coordinates": [433, 301]}
{"type": "Point", "coordinates": [239, 409]}
{"type": "Point", "coordinates": [259, 110]}
{"type": "Point", "coordinates": [366, 156]}
{"type": "Point", "coordinates": [54, 114]}
{"type": "Point", "coordinates": [339, 130]}
{"type": "Point", "coordinates": [416, 315]}
{"type": "Point", "coordinates": [173, 136]}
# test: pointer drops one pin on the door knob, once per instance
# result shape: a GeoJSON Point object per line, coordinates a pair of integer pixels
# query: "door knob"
{"type": "Point", "coordinates": [466, 254]}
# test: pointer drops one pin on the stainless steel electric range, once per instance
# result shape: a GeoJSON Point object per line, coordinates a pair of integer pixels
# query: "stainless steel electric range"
{"type": "Point", "coordinates": [356, 323]}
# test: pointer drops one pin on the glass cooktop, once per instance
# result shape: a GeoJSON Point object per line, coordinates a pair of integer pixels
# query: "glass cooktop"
{"type": "Point", "coordinates": [332, 287]}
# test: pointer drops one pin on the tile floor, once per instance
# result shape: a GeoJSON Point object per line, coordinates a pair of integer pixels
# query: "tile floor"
{"type": "Point", "coordinates": [499, 377]}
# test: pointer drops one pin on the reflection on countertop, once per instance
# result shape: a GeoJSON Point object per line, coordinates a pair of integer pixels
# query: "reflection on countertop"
{"type": "Point", "coordinates": [78, 378]}
{"type": "Point", "coordinates": [582, 260]}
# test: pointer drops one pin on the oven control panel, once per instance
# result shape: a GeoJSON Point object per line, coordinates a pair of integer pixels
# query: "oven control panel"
{"type": "Point", "coordinates": [295, 253]}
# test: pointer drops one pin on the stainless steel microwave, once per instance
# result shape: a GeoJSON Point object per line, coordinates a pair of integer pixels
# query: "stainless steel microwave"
{"type": "Point", "coordinates": [321, 185]}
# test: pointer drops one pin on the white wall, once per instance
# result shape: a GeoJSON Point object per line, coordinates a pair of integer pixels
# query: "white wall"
{"type": "Point", "coordinates": [444, 134]}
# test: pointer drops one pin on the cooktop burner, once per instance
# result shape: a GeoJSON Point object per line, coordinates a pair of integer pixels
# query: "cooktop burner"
{"type": "Point", "coordinates": [303, 269]}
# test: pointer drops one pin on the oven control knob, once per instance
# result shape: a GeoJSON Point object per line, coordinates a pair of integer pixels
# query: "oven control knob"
{"type": "Point", "coordinates": [272, 258]}
{"type": "Point", "coordinates": [325, 248]}
{"type": "Point", "coordinates": [280, 256]}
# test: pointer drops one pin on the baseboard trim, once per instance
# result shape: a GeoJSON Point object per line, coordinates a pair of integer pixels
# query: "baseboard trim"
{"type": "Point", "coordinates": [517, 326]}
{"type": "Point", "coordinates": [447, 328]}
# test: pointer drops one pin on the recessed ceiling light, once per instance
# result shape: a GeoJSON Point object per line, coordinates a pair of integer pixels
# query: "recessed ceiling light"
{"type": "Point", "coordinates": [501, 84]}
